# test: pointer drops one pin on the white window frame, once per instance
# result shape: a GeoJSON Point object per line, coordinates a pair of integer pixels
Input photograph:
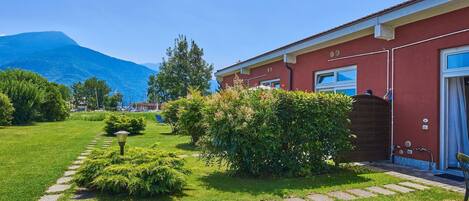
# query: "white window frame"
{"type": "Point", "coordinates": [261, 83]}
{"type": "Point", "coordinates": [336, 85]}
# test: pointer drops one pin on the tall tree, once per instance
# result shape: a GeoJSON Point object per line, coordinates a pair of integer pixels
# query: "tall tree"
{"type": "Point", "coordinates": [184, 67]}
{"type": "Point", "coordinates": [95, 91]}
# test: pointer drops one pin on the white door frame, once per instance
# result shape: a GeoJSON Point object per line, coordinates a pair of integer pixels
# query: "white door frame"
{"type": "Point", "coordinates": [446, 73]}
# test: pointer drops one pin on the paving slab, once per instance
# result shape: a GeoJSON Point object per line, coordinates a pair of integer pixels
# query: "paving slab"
{"type": "Point", "coordinates": [341, 195]}
{"type": "Point", "coordinates": [50, 197]}
{"type": "Point", "coordinates": [85, 154]}
{"type": "Point", "coordinates": [70, 173]}
{"type": "Point", "coordinates": [379, 190]}
{"type": "Point", "coordinates": [77, 162]}
{"type": "Point", "coordinates": [64, 180]}
{"type": "Point", "coordinates": [361, 193]}
{"type": "Point", "coordinates": [81, 157]}
{"type": "Point", "coordinates": [414, 185]}
{"type": "Point", "coordinates": [319, 197]}
{"type": "Point", "coordinates": [294, 199]}
{"type": "Point", "coordinates": [398, 188]}
{"type": "Point", "coordinates": [58, 188]}
{"type": "Point", "coordinates": [73, 167]}
{"type": "Point", "coordinates": [83, 194]}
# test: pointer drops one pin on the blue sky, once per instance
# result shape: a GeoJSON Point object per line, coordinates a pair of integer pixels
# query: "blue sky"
{"type": "Point", "coordinates": [140, 31]}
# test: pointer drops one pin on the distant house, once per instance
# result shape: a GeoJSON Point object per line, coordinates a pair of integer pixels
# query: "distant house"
{"type": "Point", "coordinates": [144, 106]}
{"type": "Point", "coordinates": [415, 54]}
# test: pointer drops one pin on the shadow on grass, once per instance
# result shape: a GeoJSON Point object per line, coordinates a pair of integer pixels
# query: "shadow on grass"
{"type": "Point", "coordinates": [123, 197]}
{"type": "Point", "coordinates": [224, 181]}
{"type": "Point", "coordinates": [187, 146]}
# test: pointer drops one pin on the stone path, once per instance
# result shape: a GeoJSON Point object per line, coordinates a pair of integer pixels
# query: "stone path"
{"type": "Point", "coordinates": [352, 194]}
{"type": "Point", "coordinates": [84, 193]}
{"type": "Point", "coordinates": [54, 192]}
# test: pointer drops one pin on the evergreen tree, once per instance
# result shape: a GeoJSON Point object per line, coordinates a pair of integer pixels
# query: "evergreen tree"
{"type": "Point", "coordinates": [184, 67]}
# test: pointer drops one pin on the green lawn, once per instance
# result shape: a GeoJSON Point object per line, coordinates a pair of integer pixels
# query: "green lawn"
{"type": "Point", "coordinates": [33, 157]}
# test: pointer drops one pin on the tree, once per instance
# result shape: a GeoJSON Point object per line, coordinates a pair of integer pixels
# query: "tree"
{"type": "Point", "coordinates": [54, 107]}
{"type": "Point", "coordinates": [92, 92]}
{"type": "Point", "coordinates": [26, 91]}
{"type": "Point", "coordinates": [183, 68]}
{"type": "Point", "coordinates": [6, 110]}
{"type": "Point", "coordinates": [112, 102]}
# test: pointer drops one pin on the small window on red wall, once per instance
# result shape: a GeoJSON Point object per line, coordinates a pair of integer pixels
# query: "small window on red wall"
{"type": "Point", "coordinates": [339, 80]}
{"type": "Point", "coordinates": [271, 83]}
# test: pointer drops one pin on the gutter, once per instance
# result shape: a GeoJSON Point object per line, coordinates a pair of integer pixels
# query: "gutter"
{"type": "Point", "coordinates": [290, 76]}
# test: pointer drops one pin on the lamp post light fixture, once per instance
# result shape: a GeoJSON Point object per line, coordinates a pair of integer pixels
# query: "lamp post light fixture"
{"type": "Point", "coordinates": [121, 138]}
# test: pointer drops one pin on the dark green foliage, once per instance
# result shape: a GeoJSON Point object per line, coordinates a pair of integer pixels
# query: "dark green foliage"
{"type": "Point", "coordinates": [33, 97]}
{"type": "Point", "coordinates": [112, 102]}
{"type": "Point", "coordinates": [54, 107]}
{"type": "Point", "coordinates": [116, 122]}
{"type": "Point", "coordinates": [190, 116]}
{"type": "Point", "coordinates": [274, 132]}
{"type": "Point", "coordinates": [140, 171]}
{"type": "Point", "coordinates": [170, 113]}
{"type": "Point", "coordinates": [26, 91]}
{"type": "Point", "coordinates": [95, 91]}
{"type": "Point", "coordinates": [6, 110]}
{"type": "Point", "coordinates": [184, 68]}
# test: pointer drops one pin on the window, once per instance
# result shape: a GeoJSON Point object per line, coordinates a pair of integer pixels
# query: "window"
{"type": "Point", "coordinates": [340, 80]}
{"type": "Point", "coordinates": [459, 60]}
{"type": "Point", "coordinates": [271, 83]}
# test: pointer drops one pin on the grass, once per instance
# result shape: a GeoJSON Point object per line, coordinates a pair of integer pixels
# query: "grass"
{"type": "Point", "coordinates": [33, 157]}
{"type": "Point", "coordinates": [37, 155]}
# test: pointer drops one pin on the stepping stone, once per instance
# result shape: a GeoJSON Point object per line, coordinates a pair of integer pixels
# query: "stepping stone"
{"type": "Point", "coordinates": [398, 188]}
{"type": "Point", "coordinates": [413, 185]}
{"type": "Point", "coordinates": [78, 162]}
{"type": "Point", "coordinates": [361, 193]}
{"type": "Point", "coordinates": [319, 197]}
{"type": "Point", "coordinates": [341, 195]}
{"type": "Point", "coordinates": [64, 180]}
{"type": "Point", "coordinates": [69, 173]}
{"type": "Point", "coordinates": [379, 190]}
{"type": "Point", "coordinates": [73, 167]}
{"type": "Point", "coordinates": [81, 157]}
{"type": "Point", "coordinates": [83, 194]}
{"type": "Point", "coordinates": [294, 199]}
{"type": "Point", "coordinates": [50, 197]}
{"type": "Point", "coordinates": [58, 188]}
{"type": "Point", "coordinates": [85, 154]}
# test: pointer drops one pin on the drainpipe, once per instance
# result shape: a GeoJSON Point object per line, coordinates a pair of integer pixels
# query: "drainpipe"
{"type": "Point", "coordinates": [289, 59]}
{"type": "Point", "coordinates": [290, 76]}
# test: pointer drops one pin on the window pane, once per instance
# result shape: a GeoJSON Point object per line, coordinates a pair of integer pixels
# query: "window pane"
{"type": "Point", "coordinates": [347, 75]}
{"type": "Point", "coordinates": [458, 60]}
{"type": "Point", "coordinates": [276, 85]}
{"type": "Point", "coordinates": [326, 78]}
{"type": "Point", "coordinates": [348, 92]}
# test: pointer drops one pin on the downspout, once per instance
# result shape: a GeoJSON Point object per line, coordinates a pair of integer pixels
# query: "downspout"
{"type": "Point", "coordinates": [290, 76]}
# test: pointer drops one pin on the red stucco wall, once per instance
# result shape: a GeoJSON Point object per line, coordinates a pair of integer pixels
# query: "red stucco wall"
{"type": "Point", "coordinates": [416, 81]}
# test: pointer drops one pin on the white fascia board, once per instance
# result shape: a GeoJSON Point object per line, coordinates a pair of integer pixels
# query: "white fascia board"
{"type": "Point", "coordinates": [366, 24]}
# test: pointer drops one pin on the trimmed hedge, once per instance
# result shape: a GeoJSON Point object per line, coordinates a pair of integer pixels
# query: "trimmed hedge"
{"type": "Point", "coordinates": [115, 122]}
{"type": "Point", "coordinates": [275, 132]}
{"type": "Point", "coordinates": [140, 171]}
{"type": "Point", "coordinates": [6, 110]}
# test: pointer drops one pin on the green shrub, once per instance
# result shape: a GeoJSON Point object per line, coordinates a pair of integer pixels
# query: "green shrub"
{"type": "Point", "coordinates": [6, 110]}
{"type": "Point", "coordinates": [140, 171]}
{"type": "Point", "coordinates": [170, 113]}
{"type": "Point", "coordinates": [53, 107]}
{"type": "Point", "coordinates": [116, 122]}
{"type": "Point", "coordinates": [26, 98]}
{"type": "Point", "coordinates": [190, 116]}
{"type": "Point", "coordinates": [275, 132]}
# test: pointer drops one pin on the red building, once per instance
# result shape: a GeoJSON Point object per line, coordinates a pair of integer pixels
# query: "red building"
{"type": "Point", "coordinates": [416, 54]}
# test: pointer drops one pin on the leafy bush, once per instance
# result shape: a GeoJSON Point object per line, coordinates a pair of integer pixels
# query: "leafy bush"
{"type": "Point", "coordinates": [26, 99]}
{"type": "Point", "coordinates": [6, 110]}
{"type": "Point", "coordinates": [140, 171]}
{"type": "Point", "coordinates": [190, 116]}
{"type": "Point", "coordinates": [170, 113]}
{"type": "Point", "coordinates": [115, 122]}
{"type": "Point", "coordinates": [265, 132]}
{"type": "Point", "coordinates": [54, 107]}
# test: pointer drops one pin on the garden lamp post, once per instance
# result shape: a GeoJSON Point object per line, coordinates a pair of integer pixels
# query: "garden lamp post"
{"type": "Point", "coordinates": [121, 138]}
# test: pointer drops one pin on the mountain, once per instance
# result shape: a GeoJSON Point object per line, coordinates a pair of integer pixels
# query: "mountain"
{"type": "Point", "coordinates": [60, 59]}
{"type": "Point", "coordinates": [153, 66]}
